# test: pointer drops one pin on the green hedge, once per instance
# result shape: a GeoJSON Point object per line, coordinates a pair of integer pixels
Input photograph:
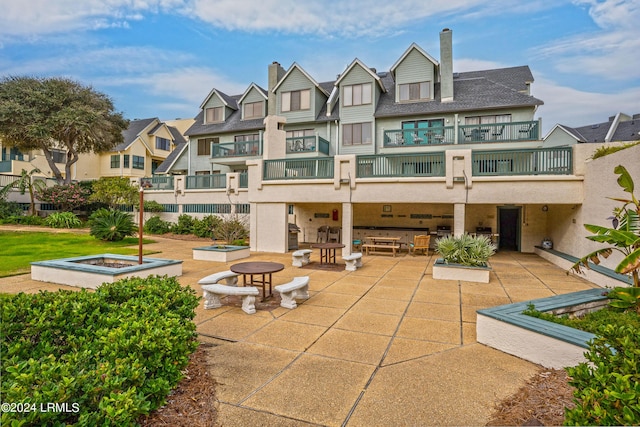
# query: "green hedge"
{"type": "Point", "coordinates": [104, 357]}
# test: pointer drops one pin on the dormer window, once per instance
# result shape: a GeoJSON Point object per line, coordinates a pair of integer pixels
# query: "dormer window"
{"type": "Point", "coordinates": [213, 115]}
{"type": "Point", "coordinates": [253, 110]}
{"type": "Point", "coordinates": [414, 91]}
{"type": "Point", "coordinates": [357, 94]}
{"type": "Point", "coordinates": [163, 144]}
{"type": "Point", "coordinates": [296, 100]}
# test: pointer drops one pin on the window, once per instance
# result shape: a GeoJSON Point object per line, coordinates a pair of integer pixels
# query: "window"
{"type": "Point", "coordinates": [481, 120]}
{"type": "Point", "coordinates": [357, 94]}
{"type": "Point", "coordinates": [356, 133]}
{"type": "Point", "coordinates": [213, 115]}
{"type": "Point", "coordinates": [301, 140]}
{"type": "Point", "coordinates": [204, 146]}
{"type": "Point", "coordinates": [253, 110]}
{"type": "Point", "coordinates": [115, 161]}
{"type": "Point", "coordinates": [126, 160]}
{"type": "Point", "coordinates": [247, 138]}
{"type": "Point", "coordinates": [203, 173]}
{"type": "Point", "coordinates": [414, 91]}
{"type": "Point", "coordinates": [59, 156]}
{"type": "Point", "coordinates": [138, 162]}
{"type": "Point", "coordinates": [296, 100]}
{"type": "Point", "coordinates": [163, 144]}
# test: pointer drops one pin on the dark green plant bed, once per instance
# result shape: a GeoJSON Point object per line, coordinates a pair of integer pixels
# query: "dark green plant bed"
{"type": "Point", "coordinates": [591, 322]}
{"type": "Point", "coordinates": [105, 357]}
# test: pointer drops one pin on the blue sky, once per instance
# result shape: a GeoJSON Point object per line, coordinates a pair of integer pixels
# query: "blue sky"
{"type": "Point", "coordinates": [160, 58]}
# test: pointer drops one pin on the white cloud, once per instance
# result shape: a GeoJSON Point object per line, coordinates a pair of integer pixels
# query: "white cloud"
{"type": "Point", "coordinates": [611, 53]}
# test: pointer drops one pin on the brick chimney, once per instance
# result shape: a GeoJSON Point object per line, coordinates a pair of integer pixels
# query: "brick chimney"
{"type": "Point", "coordinates": [446, 66]}
{"type": "Point", "coordinates": [275, 74]}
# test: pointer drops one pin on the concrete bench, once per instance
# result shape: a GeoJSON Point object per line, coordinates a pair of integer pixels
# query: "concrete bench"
{"type": "Point", "coordinates": [213, 293]}
{"type": "Point", "coordinates": [377, 249]}
{"type": "Point", "coordinates": [301, 257]}
{"type": "Point", "coordinates": [297, 288]}
{"type": "Point", "coordinates": [228, 276]}
{"type": "Point", "coordinates": [353, 261]}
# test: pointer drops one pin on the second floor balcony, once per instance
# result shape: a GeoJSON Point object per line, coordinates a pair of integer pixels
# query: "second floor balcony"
{"type": "Point", "coordinates": [236, 149]}
{"type": "Point", "coordinates": [307, 144]}
{"type": "Point", "coordinates": [463, 134]}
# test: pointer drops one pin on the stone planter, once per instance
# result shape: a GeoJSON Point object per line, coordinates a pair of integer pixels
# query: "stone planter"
{"type": "Point", "coordinates": [221, 253]}
{"type": "Point", "coordinates": [93, 270]}
{"type": "Point", "coordinates": [444, 271]}
{"type": "Point", "coordinates": [549, 344]}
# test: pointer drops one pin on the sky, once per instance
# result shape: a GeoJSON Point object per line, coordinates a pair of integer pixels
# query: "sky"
{"type": "Point", "coordinates": [161, 58]}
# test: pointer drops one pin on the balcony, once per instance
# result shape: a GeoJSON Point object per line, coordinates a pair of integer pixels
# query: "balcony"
{"type": "Point", "coordinates": [199, 182]}
{"type": "Point", "coordinates": [307, 144]}
{"type": "Point", "coordinates": [540, 161]}
{"type": "Point", "coordinates": [463, 134]}
{"type": "Point", "coordinates": [160, 182]}
{"type": "Point", "coordinates": [298, 169]}
{"type": "Point", "coordinates": [400, 165]}
{"type": "Point", "coordinates": [236, 149]}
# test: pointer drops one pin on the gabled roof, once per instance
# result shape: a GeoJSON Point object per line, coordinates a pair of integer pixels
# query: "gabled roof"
{"type": "Point", "coordinates": [619, 128]}
{"type": "Point", "coordinates": [257, 88]}
{"type": "Point", "coordinates": [573, 133]}
{"type": "Point", "coordinates": [227, 100]}
{"type": "Point", "coordinates": [233, 123]}
{"type": "Point", "coordinates": [295, 66]}
{"type": "Point", "coordinates": [171, 159]}
{"type": "Point", "coordinates": [413, 46]}
{"type": "Point", "coordinates": [133, 132]}
{"type": "Point", "coordinates": [367, 69]}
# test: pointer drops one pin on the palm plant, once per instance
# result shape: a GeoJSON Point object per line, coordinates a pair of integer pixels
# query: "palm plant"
{"type": "Point", "coordinates": [111, 225]}
{"type": "Point", "coordinates": [466, 250]}
{"type": "Point", "coordinates": [26, 182]}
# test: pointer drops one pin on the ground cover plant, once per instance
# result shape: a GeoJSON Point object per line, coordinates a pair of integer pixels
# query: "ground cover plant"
{"type": "Point", "coordinates": [19, 249]}
{"type": "Point", "coordinates": [111, 355]}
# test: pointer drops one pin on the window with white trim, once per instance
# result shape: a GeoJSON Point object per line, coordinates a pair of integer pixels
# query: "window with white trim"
{"type": "Point", "coordinates": [414, 91]}
{"type": "Point", "coordinates": [359, 94]}
{"type": "Point", "coordinates": [163, 144]}
{"type": "Point", "coordinates": [253, 110]}
{"type": "Point", "coordinates": [296, 100]}
{"type": "Point", "coordinates": [115, 161]}
{"type": "Point", "coordinates": [204, 146]}
{"type": "Point", "coordinates": [214, 115]}
{"type": "Point", "coordinates": [481, 120]}
{"type": "Point", "coordinates": [356, 133]}
{"type": "Point", "coordinates": [138, 162]}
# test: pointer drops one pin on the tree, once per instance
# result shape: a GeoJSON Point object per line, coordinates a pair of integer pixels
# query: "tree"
{"type": "Point", "coordinates": [114, 191]}
{"type": "Point", "coordinates": [57, 113]}
{"type": "Point", "coordinates": [25, 182]}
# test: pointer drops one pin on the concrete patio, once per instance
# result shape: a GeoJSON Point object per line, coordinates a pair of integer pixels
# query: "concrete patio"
{"type": "Point", "coordinates": [385, 345]}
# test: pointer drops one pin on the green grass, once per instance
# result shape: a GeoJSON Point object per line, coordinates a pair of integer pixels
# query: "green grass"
{"type": "Point", "coordinates": [18, 248]}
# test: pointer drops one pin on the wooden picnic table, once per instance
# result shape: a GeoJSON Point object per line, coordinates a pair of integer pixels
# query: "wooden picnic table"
{"type": "Point", "coordinates": [380, 244]}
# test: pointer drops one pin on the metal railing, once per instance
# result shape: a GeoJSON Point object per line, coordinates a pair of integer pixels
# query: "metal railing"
{"type": "Point", "coordinates": [194, 182]}
{"type": "Point", "coordinates": [419, 136]}
{"type": "Point", "coordinates": [298, 168]}
{"type": "Point", "coordinates": [307, 144]}
{"type": "Point", "coordinates": [392, 165]}
{"type": "Point", "coordinates": [536, 161]}
{"type": "Point", "coordinates": [160, 182]}
{"type": "Point", "coordinates": [236, 149]}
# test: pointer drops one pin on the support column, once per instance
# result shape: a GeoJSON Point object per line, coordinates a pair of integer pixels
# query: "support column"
{"type": "Point", "coordinates": [458, 219]}
{"type": "Point", "coordinates": [347, 228]}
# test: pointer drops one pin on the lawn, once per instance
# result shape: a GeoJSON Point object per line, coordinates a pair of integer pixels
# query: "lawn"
{"type": "Point", "coordinates": [18, 249]}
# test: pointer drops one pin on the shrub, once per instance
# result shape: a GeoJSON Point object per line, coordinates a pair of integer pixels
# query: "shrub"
{"type": "Point", "coordinates": [155, 225]}
{"type": "Point", "coordinates": [112, 355]}
{"type": "Point", "coordinates": [113, 191]}
{"type": "Point", "coordinates": [62, 220]}
{"type": "Point", "coordinates": [231, 229]}
{"type": "Point", "coordinates": [184, 225]}
{"type": "Point", "coordinates": [111, 225]}
{"type": "Point", "coordinates": [466, 250]}
{"type": "Point", "coordinates": [608, 388]}
{"type": "Point", "coordinates": [64, 197]}
{"type": "Point", "coordinates": [204, 227]}
{"type": "Point", "coordinates": [8, 209]}
{"type": "Point", "coordinates": [23, 219]}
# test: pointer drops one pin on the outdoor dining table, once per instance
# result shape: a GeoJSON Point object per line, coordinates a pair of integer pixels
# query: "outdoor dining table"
{"type": "Point", "coordinates": [259, 273]}
{"type": "Point", "coordinates": [327, 252]}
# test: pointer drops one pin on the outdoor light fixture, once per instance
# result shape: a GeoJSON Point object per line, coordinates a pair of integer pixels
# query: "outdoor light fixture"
{"type": "Point", "coordinates": [545, 208]}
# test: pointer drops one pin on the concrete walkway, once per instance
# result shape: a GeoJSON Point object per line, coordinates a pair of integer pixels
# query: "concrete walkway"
{"type": "Point", "coordinates": [386, 345]}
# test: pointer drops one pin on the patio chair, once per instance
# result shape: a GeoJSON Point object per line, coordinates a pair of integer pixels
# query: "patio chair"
{"type": "Point", "coordinates": [323, 234]}
{"type": "Point", "coordinates": [334, 234]}
{"type": "Point", "coordinates": [420, 243]}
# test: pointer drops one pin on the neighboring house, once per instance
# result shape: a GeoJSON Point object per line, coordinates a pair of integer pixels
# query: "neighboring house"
{"type": "Point", "coordinates": [147, 143]}
{"type": "Point", "coordinates": [619, 128]}
{"type": "Point", "coordinates": [13, 161]}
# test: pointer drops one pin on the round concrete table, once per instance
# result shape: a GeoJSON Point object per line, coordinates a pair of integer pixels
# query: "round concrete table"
{"type": "Point", "coordinates": [259, 273]}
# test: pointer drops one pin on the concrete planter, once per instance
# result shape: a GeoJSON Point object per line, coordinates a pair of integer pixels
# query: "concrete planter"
{"type": "Point", "coordinates": [89, 271]}
{"type": "Point", "coordinates": [444, 271]}
{"type": "Point", "coordinates": [221, 253]}
{"type": "Point", "coordinates": [549, 344]}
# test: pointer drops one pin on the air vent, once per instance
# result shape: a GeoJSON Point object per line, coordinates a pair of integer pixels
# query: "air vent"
{"type": "Point", "coordinates": [595, 126]}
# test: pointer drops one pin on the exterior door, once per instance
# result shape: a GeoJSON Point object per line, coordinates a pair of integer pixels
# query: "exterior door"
{"type": "Point", "coordinates": [509, 228]}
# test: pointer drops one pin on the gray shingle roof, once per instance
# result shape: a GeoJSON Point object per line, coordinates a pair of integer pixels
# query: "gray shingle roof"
{"type": "Point", "coordinates": [131, 133]}
{"type": "Point", "coordinates": [628, 130]}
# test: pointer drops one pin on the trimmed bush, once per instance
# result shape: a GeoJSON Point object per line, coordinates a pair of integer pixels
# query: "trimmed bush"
{"type": "Point", "coordinates": [184, 225]}
{"type": "Point", "coordinates": [111, 355]}
{"type": "Point", "coordinates": [155, 225]}
{"type": "Point", "coordinates": [608, 387]}
{"type": "Point", "coordinates": [111, 225]}
{"type": "Point", "coordinates": [62, 220]}
{"type": "Point", "coordinates": [204, 227]}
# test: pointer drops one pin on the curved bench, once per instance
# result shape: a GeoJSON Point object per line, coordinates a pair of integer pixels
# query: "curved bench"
{"type": "Point", "coordinates": [212, 294]}
{"type": "Point", "coordinates": [229, 276]}
{"type": "Point", "coordinates": [301, 257]}
{"type": "Point", "coordinates": [297, 288]}
{"type": "Point", "coordinates": [353, 261]}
